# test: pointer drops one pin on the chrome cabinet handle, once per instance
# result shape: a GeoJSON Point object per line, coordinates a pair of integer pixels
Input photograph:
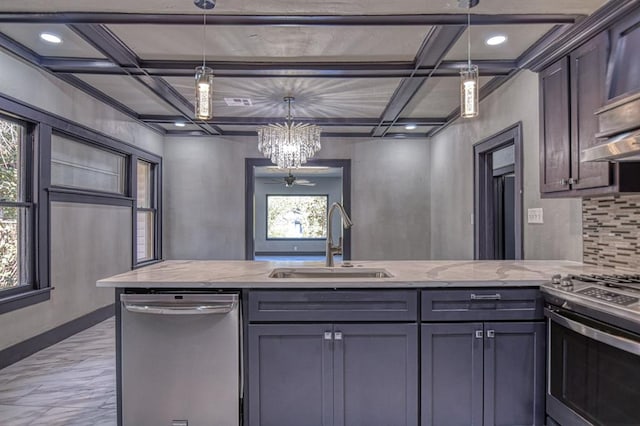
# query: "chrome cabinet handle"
{"type": "Point", "coordinates": [491, 334]}
{"type": "Point", "coordinates": [496, 296]}
{"type": "Point", "coordinates": [479, 334]}
{"type": "Point", "coordinates": [327, 335]}
{"type": "Point", "coordinates": [619, 342]}
{"type": "Point", "coordinates": [337, 335]}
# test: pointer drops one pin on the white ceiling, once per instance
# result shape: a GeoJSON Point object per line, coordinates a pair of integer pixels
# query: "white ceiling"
{"type": "Point", "coordinates": [334, 96]}
{"type": "Point", "coordinates": [29, 36]}
{"type": "Point", "coordinates": [252, 43]}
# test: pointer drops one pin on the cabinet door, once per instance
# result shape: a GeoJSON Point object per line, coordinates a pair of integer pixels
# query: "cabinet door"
{"type": "Point", "coordinates": [452, 374]}
{"type": "Point", "coordinates": [555, 146]}
{"type": "Point", "coordinates": [376, 375]}
{"type": "Point", "coordinates": [588, 77]}
{"type": "Point", "coordinates": [290, 375]}
{"type": "Point", "coordinates": [514, 374]}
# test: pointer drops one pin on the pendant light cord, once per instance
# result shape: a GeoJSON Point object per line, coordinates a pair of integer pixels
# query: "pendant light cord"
{"type": "Point", "coordinates": [469, 34]}
{"type": "Point", "coordinates": [204, 37]}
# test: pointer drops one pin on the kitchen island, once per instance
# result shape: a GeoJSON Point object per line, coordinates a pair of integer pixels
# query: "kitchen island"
{"type": "Point", "coordinates": [434, 343]}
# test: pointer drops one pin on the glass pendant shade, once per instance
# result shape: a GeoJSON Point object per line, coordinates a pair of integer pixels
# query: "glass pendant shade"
{"type": "Point", "coordinates": [204, 93]}
{"type": "Point", "coordinates": [469, 92]}
{"type": "Point", "coordinates": [289, 145]}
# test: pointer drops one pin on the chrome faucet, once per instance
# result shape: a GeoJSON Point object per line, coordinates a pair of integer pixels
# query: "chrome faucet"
{"type": "Point", "coordinates": [346, 222]}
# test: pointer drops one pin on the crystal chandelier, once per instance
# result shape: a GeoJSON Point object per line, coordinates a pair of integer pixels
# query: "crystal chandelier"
{"type": "Point", "coordinates": [469, 77]}
{"type": "Point", "coordinates": [289, 145]}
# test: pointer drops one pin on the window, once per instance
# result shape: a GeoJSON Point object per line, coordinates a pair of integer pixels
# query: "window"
{"type": "Point", "coordinates": [79, 165]}
{"type": "Point", "coordinates": [16, 208]}
{"type": "Point", "coordinates": [297, 216]}
{"type": "Point", "coordinates": [146, 212]}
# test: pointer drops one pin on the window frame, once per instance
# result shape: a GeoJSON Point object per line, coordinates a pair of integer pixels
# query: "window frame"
{"type": "Point", "coordinates": [266, 218]}
{"type": "Point", "coordinates": [40, 126]}
{"type": "Point", "coordinates": [155, 201]}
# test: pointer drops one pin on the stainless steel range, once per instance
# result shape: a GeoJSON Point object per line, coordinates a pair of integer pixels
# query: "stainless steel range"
{"type": "Point", "coordinates": [594, 350]}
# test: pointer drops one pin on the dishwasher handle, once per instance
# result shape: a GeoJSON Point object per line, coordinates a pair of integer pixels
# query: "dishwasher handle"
{"type": "Point", "coordinates": [178, 304]}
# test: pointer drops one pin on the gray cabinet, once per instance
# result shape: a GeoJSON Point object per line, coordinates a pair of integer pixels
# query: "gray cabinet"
{"type": "Point", "coordinates": [289, 381]}
{"type": "Point", "coordinates": [482, 357]}
{"type": "Point", "coordinates": [332, 374]}
{"type": "Point", "coordinates": [483, 374]}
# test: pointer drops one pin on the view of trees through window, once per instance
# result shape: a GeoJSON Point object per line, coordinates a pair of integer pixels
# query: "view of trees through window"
{"type": "Point", "coordinates": [296, 216]}
{"type": "Point", "coordinates": [10, 134]}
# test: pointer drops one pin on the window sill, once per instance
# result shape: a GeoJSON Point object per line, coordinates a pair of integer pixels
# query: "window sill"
{"type": "Point", "coordinates": [146, 263]}
{"type": "Point", "coordinates": [24, 299]}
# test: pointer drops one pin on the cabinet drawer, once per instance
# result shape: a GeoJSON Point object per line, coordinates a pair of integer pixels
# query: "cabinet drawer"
{"type": "Point", "coordinates": [482, 304]}
{"type": "Point", "coordinates": [333, 305]}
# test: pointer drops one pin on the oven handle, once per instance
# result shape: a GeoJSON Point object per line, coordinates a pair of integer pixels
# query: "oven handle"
{"type": "Point", "coordinates": [621, 343]}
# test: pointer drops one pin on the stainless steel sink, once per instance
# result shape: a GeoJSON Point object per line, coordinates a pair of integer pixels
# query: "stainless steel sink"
{"type": "Point", "coordinates": [330, 273]}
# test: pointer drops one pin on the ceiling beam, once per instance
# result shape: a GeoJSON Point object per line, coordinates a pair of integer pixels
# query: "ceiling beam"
{"type": "Point", "coordinates": [117, 52]}
{"type": "Point", "coordinates": [285, 20]}
{"type": "Point", "coordinates": [432, 51]}
{"type": "Point", "coordinates": [328, 122]}
{"type": "Point", "coordinates": [243, 69]}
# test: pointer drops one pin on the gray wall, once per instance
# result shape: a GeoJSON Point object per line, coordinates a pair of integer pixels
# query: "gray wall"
{"type": "Point", "coordinates": [87, 242]}
{"type": "Point", "coordinates": [204, 196]}
{"type": "Point", "coordinates": [560, 237]}
{"type": "Point", "coordinates": [330, 186]}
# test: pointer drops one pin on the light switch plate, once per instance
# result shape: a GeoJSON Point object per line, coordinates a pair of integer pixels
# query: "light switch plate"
{"type": "Point", "coordinates": [535, 216]}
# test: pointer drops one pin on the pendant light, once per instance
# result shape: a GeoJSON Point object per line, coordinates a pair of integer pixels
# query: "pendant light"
{"type": "Point", "coordinates": [469, 78]}
{"type": "Point", "coordinates": [204, 74]}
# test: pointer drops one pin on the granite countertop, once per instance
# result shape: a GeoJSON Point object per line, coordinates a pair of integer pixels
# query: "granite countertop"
{"type": "Point", "coordinates": [406, 274]}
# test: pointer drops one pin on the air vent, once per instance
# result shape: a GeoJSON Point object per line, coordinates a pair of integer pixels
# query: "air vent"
{"type": "Point", "coordinates": [238, 101]}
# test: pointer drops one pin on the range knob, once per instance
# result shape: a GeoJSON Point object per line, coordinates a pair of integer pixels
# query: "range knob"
{"type": "Point", "coordinates": [566, 283]}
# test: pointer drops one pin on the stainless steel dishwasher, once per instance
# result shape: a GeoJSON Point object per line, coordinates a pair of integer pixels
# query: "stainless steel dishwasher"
{"type": "Point", "coordinates": [180, 359]}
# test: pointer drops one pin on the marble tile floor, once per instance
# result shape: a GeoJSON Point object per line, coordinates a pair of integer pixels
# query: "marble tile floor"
{"type": "Point", "coordinates": [71, 383]}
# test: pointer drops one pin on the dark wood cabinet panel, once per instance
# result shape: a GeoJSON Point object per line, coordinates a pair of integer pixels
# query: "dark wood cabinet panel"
{"type": "Point", "coordinates": [588, 76]}
{"type": "Point", "coordinates": [625, 72]}
{"type": "Point", "coordinates": [555, 148]}
{"type": "Point", "coordinates": [452, 373]}
{"type": "Point", "coordinates": [376, 374]}
{"type": "Point", "coordinates": [290, 375]}
{"type": "Point", "coordinates": [490, 374]}
{"type": "Point", "coordinates": [514, 374]}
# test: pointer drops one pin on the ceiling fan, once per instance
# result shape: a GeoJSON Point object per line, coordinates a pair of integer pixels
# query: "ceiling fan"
{"type": "Point", "coordinates": [290, 180]}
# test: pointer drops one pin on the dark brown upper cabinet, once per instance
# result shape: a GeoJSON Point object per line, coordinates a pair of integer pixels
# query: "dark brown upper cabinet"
{"type": "Point", "coordinates": [571, 91]}
{"type": "Point", "coordinates": [624, 72]}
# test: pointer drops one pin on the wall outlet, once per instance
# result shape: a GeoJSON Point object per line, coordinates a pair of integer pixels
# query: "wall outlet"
{"type": "Point", "coordinates": [535, 216]}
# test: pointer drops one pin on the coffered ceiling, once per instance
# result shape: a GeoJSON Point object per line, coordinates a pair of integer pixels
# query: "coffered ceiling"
{"type": "Point", "coordinates": [355, 67]}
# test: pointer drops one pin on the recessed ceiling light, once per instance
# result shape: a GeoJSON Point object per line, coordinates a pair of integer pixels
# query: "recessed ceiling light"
{"type": "Point", "coordinates": [496, 40]}
{"type": "Point", "coordinates": [51, 38]}
{"type": "Point", "coordinates": [410, 126]}
{"type": "Point", "coordinates": [179, 124]}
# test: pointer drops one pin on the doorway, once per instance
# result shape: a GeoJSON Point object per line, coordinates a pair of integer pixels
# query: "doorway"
{"type": "Point", "coordinates": [285, 210]}
{"type": "Point", "coordinates": [498, 196]}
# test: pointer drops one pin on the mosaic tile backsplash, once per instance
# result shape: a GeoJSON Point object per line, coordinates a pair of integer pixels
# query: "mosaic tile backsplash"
{"type": "Point", "coordinates": [611, 231]}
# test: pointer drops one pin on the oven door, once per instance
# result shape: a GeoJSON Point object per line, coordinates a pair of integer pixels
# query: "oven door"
{"type": "Point", "coordinates": [594, 372]}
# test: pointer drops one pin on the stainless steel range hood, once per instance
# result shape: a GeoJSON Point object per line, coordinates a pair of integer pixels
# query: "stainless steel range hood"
{"type": "Point", "coordinates": [619, 123]}
{"type": "Point", "coordinates": [624, 147]}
